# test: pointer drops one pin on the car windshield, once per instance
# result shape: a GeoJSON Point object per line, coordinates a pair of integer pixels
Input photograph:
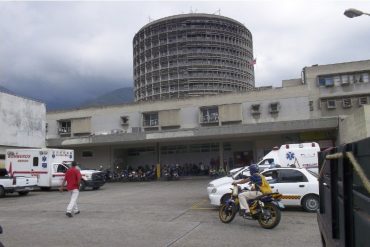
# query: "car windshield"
{"type": "Point", "coordinates": [79, 166]}
{"type": "Point", "coordinates": [313, 172]}
{"type": "Point", "coordinates": [234, 171]}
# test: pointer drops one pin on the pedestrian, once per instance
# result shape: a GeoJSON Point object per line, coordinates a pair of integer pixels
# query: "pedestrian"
{"type": "Point", "coordinates": [73, 179]}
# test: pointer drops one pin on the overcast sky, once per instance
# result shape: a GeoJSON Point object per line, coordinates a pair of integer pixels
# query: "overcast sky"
{"type": "Point", "coordinates": [74, 51]}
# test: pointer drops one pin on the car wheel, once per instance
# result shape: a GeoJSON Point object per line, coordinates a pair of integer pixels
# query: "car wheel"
{"type": "Point", "coordinates": [311, 203]}
{"type": "Point", "coordinates": [82, 185]}
{"type": "Point", "coordinates": [2, 191]}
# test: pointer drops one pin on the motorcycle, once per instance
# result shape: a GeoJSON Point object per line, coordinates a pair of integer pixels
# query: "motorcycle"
{"type": "Point", "coordinates": [265, 208]}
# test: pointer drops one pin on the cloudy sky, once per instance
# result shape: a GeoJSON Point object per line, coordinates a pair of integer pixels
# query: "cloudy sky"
{"type": "Point", "coordinates": [71, 52]}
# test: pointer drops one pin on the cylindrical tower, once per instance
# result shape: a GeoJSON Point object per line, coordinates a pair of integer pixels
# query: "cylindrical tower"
{"type": "Point", "coordinates": [192, 55]}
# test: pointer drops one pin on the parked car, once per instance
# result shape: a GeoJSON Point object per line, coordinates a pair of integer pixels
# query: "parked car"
{"type": "Point", "coordinates": [11, 184]}
{"type": "Point", "coordinates": [299, 187]}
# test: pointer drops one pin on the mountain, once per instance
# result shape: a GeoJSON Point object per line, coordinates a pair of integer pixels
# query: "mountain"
{"type": "Point", "coordinates": [5, 90]}
{"type": "Point", "coordinates": [115, 97]}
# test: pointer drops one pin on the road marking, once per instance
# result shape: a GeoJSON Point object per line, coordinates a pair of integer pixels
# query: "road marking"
{"type": "Point", "coordinates": [198, 205]}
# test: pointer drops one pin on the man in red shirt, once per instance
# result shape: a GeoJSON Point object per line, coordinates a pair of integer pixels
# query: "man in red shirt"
{"type": "Point", "coordinates": [73, 178]}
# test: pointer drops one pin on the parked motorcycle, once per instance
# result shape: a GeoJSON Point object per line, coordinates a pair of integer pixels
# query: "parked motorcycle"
{"type": "Point", "coordinates": [265, 208]}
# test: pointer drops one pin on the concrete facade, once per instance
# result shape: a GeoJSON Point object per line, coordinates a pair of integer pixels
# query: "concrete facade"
{"type": "Point", "coordinates": [355, 126]}
{"type": "Point", "coordinates": [192, 55]}
{"type": "Point", "coordinates": [230, 129]}
{"type": "Point", "coordinates": [21, 126]}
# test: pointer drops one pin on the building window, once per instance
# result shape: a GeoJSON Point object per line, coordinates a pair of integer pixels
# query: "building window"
{"type": "Point", "coordinates": [256, 109]}
{"type": "Point", "coordinates": [150, 119]}
{"type": "Point", "coordinates": [87, 154]}
{"type": "Point", "coordinates": [124, 120]}
{"type": "Point", "coordinates": [35, 161]}
{"type": "Point", "coordinates": [209, 114]}
{"type": "Point", "coordinates": [326, 81]}
{"type": "Point", "coordinates": [331, 104]}
{"type": "Point", "coordinates": [347, 103]}
{"type": "Point", "coordinates": [362, 101]}
{"type": "Point", "coordinates": [365, 77]}
{"type": "Point", "coordinates": [46, 128]}
{"type": "Point", "coordinates": [64, 127]}
{"type": "Point", "coordinates": [274, 107]}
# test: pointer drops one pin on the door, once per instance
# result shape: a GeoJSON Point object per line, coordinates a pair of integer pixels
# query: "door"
{"type": "Point", "coordinates": [291, 183]}
{"type": "Point", "coordinates": [58, 173]}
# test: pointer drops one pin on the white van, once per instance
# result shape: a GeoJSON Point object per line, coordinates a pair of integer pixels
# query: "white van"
{"type": "Point", "coordinates": [49, 166]}
{"type": "Point", "coordinates": [304, 155]}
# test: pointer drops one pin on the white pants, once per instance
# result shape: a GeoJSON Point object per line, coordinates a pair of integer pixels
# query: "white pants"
{"type": "Point", "coordinates": [243, 197]}
{"type": "Point", "coordinates": [72, 206]}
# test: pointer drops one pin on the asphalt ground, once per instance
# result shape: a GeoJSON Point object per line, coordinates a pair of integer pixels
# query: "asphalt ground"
{"type": "Point", "coordinates": [173, 213]}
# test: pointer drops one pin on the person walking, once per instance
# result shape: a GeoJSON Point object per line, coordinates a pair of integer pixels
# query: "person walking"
{"type": "Point", "coordinates": [73, 179]}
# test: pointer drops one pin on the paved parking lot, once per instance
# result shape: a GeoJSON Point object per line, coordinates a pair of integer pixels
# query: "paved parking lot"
{"type": "Point", "coordinates": [174, 213]}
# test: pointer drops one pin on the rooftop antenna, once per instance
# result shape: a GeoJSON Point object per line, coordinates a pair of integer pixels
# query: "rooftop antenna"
{"type": "Point", "coordinates": [150, 19]}
{"type": "Point", "coordinates": [191, 9]}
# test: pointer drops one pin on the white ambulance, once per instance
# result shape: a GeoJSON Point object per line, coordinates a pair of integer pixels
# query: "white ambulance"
{"type": "Point", "coordinates": [303, 155]}
{"type": "Point", "coordinates": [49, 166]}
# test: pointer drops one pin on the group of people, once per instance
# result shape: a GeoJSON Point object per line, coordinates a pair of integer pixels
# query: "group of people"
{"type": "Point", "coordinates": [259, 186]}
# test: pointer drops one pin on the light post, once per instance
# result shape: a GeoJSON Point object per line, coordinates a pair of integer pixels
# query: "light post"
{"type": "Point", "coordinates": [350, 13]}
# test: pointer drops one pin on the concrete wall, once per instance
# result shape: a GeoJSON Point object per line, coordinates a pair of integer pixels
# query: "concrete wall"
{"type": "Point", "coordinates": [337, 91]}
{"type": "Point", "coordinates": [22, 122]}
{"type": "Point", "coordinates": [293, 105]}
{"type": "Point", "coordinates": [101, 157]}
{"type": "Point", "coordinates": [356, 126]}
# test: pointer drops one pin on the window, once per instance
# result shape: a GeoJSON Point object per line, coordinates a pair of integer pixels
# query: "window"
{"type": "Point", "coordinates": [87, 154]}
{"type": "Point", "coordinates": [150, 119]}
{"type": "Point", "coordinates": [274, 107]}
{"type": "Point", "coordinates": [331, 104]}
{"type": "Point", "coordinates": [365, 77]}
{"type": "Point", "coordinates": [256, 109]}
{"type": "Point", "coordinates": [61, 168]}
{"type": "Point", "coordinates": [326, 81]}
{"type": "Point", "coordinates": [209, 114]}
{"type": "Point", "coordinates": [291, 176]}
{"type": "Point", "coordinates": [64, 127]}
{"type": "Point", "coordinates": [124, 120]}
{"type": "Point", "coordinates": [35, 161]}
{"type": "Point", "coordinates": [362, 101]}
{"type": "Point", "coordinates": [271, 176]}
{"type": "Point", "coordinates": [347, 103]}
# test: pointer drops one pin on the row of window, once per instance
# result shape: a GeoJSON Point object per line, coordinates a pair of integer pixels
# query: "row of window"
{"type": "Point", "coordinates": [207, 115]}
{"type": "Point", "coordinates": [343, 79]}
{"type": "Point", "coordinates": [345, 102]}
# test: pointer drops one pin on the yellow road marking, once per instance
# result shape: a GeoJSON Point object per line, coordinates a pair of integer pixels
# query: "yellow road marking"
{"type": "Point", "coordinates": [198, 205]}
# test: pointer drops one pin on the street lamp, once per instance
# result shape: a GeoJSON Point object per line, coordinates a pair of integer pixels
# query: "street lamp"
{"type": "Point", "coordinates": [350, 13]}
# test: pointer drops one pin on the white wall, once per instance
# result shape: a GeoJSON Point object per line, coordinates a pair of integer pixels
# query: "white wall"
{"type": "Point", "coordinates": [22, 122]}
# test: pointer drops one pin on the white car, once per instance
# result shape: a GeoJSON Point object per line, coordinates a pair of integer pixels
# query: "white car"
{"type": "Point", "coordinates": [298, 186]}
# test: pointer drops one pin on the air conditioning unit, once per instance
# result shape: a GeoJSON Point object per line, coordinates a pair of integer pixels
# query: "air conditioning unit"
{"type": "Point", "coordinates": [136, 129]}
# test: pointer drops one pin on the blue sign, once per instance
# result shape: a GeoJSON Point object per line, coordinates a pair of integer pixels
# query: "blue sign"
{"type": "Point", "coordinates": [53, 156]}
{"type": "Point", "coordinates": [44, 165]}
{"type": "Point", "coordinates": [290, 156]}
{"type": "Point", "coordinates": [44, 158]}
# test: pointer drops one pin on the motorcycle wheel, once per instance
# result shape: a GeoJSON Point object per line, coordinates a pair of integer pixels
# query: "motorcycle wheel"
{"type": "Point", "coordinates": [275, 216]}
{"type": "Point", "coordinates": [227, 213]}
